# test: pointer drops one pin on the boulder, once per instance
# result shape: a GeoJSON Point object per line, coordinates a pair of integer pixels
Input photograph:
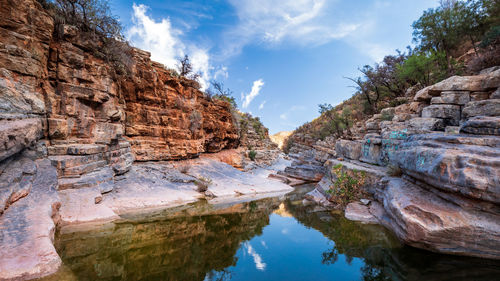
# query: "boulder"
{"type": "Point", "coordinates": [387, 113]}
{"type": "Point", "coordinates": [423, 95]}
{"type": "Point", "coordinates": [448, 97]}
{"type": "Point", "coordinates": [489, 107]}
{"type": "Point", "coordinates": [458, 83]}
{"type": "Point", "coordinates": [445, 111]}
{"type": "Point", "coordinates": [348, 149]}
{"type": "Point", "coordinates": [426, 124]}
{"type": "Point", "coordinates": [16, 135]}
{"type": "Point", "coordinates": [482, 125]}
{"type": "Point", "coordinates": [465, 165]}
{"type": "Point", "coordinates": [477, 96]}
{"type": "Point", "coordinates": [309, 173]}
{"type": "Point", "coordinates": [424, 220]}
{"type": "Point", "coordinates": [357, 211]}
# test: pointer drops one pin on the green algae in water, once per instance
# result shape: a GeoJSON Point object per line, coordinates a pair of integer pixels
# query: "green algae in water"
{"type": "Point", "coordinates": [268, 239]}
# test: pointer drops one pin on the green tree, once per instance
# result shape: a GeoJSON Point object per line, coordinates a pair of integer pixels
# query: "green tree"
{"type": "Point", "coordinates": [439, 30]}
{"type": "Point", "coordinates": [423, 68]}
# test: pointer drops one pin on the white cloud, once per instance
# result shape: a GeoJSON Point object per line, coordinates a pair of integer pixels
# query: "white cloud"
{"type": "Point", "coordinates": [285, 115]}
{"type": "Point", "coordinates": [160, 38]}
{"type": "Point", "coordinates": [256, 257]}
{"type": "Point", "coordinates": [165, 44]}
{"type": "Point", "coordinates": [261, 106]}
{"type": "Point", "coordinates": [303, 22]}
{"type": "Point", "coordinates": [247, 99]}
{"type": "Point", "coordinates": [221, 72]}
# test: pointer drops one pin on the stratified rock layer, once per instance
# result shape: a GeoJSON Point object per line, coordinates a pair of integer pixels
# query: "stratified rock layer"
{"type": "Point", "coordinates": [72, 124]}
{"type": "Point", "coordinates": [446, 146]}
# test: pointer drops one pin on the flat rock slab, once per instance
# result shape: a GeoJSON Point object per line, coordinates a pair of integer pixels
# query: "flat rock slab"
{"type": "Point", "coordinates": [27, 230]}
{"type": "Point", "coordinates": [154, 185]}
{"type": "Point", "coordinates": [466, 165]}
{"type": "Point", "coordinates": [357, 211]}
{"type": "Point", "coordinates": [228, 181]}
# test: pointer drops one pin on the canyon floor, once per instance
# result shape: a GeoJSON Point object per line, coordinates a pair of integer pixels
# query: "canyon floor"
{"type": "Point", "coordinates": [27, 249]}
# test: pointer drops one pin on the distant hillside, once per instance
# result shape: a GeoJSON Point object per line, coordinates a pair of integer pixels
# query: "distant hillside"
{"type": "Point", "coordinates": [279, 138]}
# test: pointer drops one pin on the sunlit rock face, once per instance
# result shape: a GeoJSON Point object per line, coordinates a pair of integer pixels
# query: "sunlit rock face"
{"type": "Point", "coordinates": [64, 106]}
{"type": "Point", "coordinates": [445, 145]}
{"type": "Point", "coordinates": [169, 118]}
{"type": "Point", "coordinates": [93, 115]}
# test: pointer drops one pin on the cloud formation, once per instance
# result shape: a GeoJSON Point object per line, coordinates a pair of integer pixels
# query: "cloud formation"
{"type": "Point", "coordinates": [271, 22]}
{"type": "Point", "coordinates": [165, 44]}
{"type": "Point", "coordinates": [248, 98]}
{"type": "Point", "coordinates": [261, 106]}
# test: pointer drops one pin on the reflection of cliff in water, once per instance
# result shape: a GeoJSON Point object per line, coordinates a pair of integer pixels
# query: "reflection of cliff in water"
{"type": "Point", "coordinates": [384, 257]}
{"type": "Point", "coordinates": [183, 245]}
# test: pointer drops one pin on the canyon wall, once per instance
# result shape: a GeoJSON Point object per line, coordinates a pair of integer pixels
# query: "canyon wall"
{"type": "Point", "coordinates": [72, 122]}
{"type": "Point", "coordinates": [91, 118]}
{"type": "Point", "coordinates": [430, 167]}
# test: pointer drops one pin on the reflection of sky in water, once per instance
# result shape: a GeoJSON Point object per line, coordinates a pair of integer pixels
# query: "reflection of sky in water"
{"type": "Point", "coordinates": [296, 255]}
{"type": "Point", "coordinates": [256, 257]}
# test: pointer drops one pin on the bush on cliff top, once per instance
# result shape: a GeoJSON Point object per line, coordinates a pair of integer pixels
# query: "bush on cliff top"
{"type": "Point", "coordinates": [94, 21]}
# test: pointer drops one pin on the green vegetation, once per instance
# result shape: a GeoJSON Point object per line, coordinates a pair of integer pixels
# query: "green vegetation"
{"type": "Point", "coordinates": [245, 121]}
{"type": "Point", "coordinates": [218, 91]}
{"type": "Point", "coordinates": [346, 185]}
{"type": "Point", "coordinates": [444, 37]}
{"type": "Point", "coordinates": [251, 154]}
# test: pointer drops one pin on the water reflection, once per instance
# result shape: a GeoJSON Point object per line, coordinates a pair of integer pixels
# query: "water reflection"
{"type": "Point", "coordinates": [266, 239]}
{"type": "Point", "coordinates": [383, 256]}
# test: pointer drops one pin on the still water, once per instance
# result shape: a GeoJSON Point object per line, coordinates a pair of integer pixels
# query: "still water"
{"type": "Point", "coordinates": [276, 238]}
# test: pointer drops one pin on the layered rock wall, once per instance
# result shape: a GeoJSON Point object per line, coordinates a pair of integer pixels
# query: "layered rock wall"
{"type": "Point", "coordinates": [96, 121]}
{"type": "Point", "coordinates": [71, 122]}
{"type": "Point", "coordinates": [433, 167]}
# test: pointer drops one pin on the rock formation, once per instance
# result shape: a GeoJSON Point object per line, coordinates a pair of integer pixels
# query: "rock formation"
{"type": "Point", "coordinates": [431, 166]}
{"type": "Point", "coordinates": [279, 138]}
{"type": "Point", "coordinates": [71, 125]}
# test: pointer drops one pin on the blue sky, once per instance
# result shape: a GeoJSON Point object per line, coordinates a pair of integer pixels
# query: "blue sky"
{"type": "Point", "coordinates": [281, 58]}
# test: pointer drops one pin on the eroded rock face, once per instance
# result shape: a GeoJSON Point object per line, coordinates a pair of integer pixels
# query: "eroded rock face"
{"type": "Point", "coordinates": [426, 221]}
{"type": "Point", "coordinates": [93, 121]}
{"type": "Point", "coordinates": [168, 118]}
{"type": "Point", "coordinates": [94, 117]}
{"type": "Point", "coordinates": [469, 166]}
{"type": "Point", "coordinates": [446, 146]}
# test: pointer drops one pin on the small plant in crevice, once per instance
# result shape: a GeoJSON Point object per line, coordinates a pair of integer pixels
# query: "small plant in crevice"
{"type": "Point", "coordinates": [202, 183]}
{"type": "Point", "coordinates": [386, 116]}
{"type": "Point", "coordinates": [196, 119]}
{"type": "Point", "coordinates": [347, 185]}
{"type": "Point", "coordinates": [252, 154]}
{"type": "Point", "coordinates": [185, 168]}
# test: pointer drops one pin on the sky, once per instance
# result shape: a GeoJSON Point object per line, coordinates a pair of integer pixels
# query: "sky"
{"type": "Point", "coordinates": [280, 58]}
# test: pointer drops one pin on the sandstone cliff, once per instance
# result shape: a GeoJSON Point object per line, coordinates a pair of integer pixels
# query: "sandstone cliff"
{"type": "Point", "coordinates": [90, 117]}
{"type": "Point", "coordinates": [72, 124]}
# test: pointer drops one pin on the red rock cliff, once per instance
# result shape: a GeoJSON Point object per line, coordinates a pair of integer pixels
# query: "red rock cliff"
{"type": "Point", "coordinates": [91, 117]}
